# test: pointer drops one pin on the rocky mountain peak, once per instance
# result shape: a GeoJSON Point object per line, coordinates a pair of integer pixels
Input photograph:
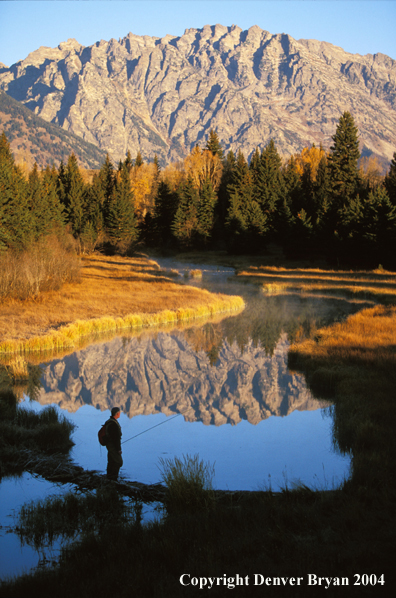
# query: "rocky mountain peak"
{"type": "Point", "coordinates": [163, 95]}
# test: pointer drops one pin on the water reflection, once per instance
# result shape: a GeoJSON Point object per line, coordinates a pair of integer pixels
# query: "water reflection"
{"type": "Point", "coordinates": [218, 373]}
{"type": "Point", "coordinates": [232, 371]}
{"type": "Point", "coordinates": [167, 374]}
{"type": "Point", "coordinates": [228, 371]}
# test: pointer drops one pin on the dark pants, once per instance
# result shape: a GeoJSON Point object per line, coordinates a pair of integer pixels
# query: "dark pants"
{"type": "Point", "coordinates": [114, 462]}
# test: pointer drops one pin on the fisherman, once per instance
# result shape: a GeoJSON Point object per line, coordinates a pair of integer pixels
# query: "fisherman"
{"type": "Point", "coordinates": [113, 444]}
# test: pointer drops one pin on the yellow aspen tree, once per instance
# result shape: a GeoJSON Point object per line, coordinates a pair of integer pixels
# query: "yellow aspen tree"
{"type": "Point", "coordinates": [202, 166]}
{"type": "Point", "coordinates": [142, 180]}
{"type": "Point", "coordinates": [174, 175]}
{"type": "Point", "coordinates": [310, 156]}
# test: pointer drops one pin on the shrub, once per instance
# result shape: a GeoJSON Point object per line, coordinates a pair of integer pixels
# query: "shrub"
{"type": "Point", "coordinates": [46, 265]}
{"type": "Point", "coordinates": [189, 484]}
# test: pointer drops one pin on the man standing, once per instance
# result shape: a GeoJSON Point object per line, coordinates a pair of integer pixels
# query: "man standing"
{"type": "Point", "coordinates": [113, 444]}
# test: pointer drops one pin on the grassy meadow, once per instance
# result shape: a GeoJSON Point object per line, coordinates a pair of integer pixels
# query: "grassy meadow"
{"type": "Point", "coordinates": [114, 293]}
{"type": "Point", "coordinates": [334, 533]}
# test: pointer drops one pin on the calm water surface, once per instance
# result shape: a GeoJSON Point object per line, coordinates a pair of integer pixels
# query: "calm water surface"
{"type": "Point", "coordinates": [220, 389]}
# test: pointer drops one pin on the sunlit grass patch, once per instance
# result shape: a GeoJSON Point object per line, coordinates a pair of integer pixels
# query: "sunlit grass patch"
{"type": "Point", "coordinates": [70, 336]}
{"type": "Point", "coordinates": [378, 285]}
{"type": "Point", "coordinates": [196, 273]}
{"type": "Point", "coordinates": [274, 288]}
{"type": "Point", "coordinates": [115, 294]}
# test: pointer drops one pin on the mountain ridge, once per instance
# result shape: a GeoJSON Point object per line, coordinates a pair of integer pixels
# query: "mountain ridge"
{"type": "Point", "coordinates": [32, 139]}
{"type": "Point", "coordinates": [163, 95]}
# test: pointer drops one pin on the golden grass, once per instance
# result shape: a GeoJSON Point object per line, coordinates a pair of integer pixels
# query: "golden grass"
{"type": "Point", "coordinates": [368, 336]}
{"type": "Point", "coordinates": [274, 288]}
{"type": "Point", "coordinates": [377, 284]}
{"type": "Point", "coordinates": [115, 293]}
{"type": "Point", "coordinates": [354, 363]}
{"type": "Point", "coordinates": [195, 273]}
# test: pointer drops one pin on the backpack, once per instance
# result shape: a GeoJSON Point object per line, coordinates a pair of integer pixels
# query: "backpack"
{"type": "Point", "coordinates": [102, 435]}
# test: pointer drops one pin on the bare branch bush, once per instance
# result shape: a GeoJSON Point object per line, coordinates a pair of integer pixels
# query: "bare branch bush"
{"type": "Point", "coordinates": [44, 266]}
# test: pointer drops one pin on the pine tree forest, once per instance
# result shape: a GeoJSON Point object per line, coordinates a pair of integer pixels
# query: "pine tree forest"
{"type": "Point", "coordinates": [334, 204]}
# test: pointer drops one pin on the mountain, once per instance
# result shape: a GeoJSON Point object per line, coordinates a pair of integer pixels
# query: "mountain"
{"type": "Point", "coordinates": [163, 95]}
{"type": "Point", "coordinates": [33, 139]}
{"type": "Point", "coordinates": [165, 374]}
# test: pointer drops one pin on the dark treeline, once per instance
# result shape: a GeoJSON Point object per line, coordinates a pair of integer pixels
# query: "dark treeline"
{"type": "Point", "coordinates": [335, 205]}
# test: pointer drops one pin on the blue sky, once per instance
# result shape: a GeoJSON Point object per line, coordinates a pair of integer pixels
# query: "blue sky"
{"type": "Point", "coordinates": [357, 26]}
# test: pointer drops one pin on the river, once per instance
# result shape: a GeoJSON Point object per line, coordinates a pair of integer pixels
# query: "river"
{"type": "Point", "coordinates": [220, 389]}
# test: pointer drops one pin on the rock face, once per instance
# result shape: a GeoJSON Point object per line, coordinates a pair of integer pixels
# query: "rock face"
{"type": "Point", "coordinates": [164, 95]}
{"type": "Point", "coordinates": [165, 374]}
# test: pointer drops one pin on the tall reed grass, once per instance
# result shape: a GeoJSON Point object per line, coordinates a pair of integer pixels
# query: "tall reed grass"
{"type": "Point", "coordinates": [188, 484]}
{"type": "Point", "coordinates": [68, 336]}
{"type": "Point", "coordinates": [46, 431]}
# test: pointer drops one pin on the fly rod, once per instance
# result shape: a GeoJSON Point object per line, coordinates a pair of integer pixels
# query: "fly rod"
{"type": "Point", "coordinates": [152, 428]}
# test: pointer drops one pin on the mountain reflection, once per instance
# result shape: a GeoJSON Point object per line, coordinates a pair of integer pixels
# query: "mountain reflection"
{"type": "Point", "coordinates": [166, 374]}
{"type": "Point", "coordinates": [216, 373]}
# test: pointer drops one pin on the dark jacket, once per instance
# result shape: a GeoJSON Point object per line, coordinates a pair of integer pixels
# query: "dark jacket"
{"type": "Point", "coordinates": [113, 435]}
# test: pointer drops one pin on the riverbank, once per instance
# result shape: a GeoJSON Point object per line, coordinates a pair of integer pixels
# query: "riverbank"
{"type": "Point", "coordinates": [114, 293]}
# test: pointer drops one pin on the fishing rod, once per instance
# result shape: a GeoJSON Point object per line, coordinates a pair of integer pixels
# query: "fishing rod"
{"type": "Point", "coordinates": [152, 428]}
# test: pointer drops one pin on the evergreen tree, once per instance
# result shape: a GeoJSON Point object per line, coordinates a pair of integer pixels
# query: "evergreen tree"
{"type": "Point", "coordinates": [34, 199]}
{"type": "Point", "coordinates": [269, 183]}
{"type": "Point", "coordinates": [49, 182]}
{"type": "Point", "coordinates": [43, 201]}
{"type": "Point", "coordinates": [94, 229]}
{"type": "Point", "coordinates": [157, 164]}
{"type": "Point", "coordinates": [206, 207]}
{"type": "Point", "coordinates": [107, 181]}
{"type": "Point", "coordinates": [308, 190]}
{"type": "Point", "coordinates": [185, 223]}
{"type": "Point", "coordinates": [378, 230]}
{"type": "Point", "coordinates": [222, 203]}
{"type": "Point", "coordinates": [155, 181]}
{"type": "Point", "coordinates": [292, 183]}
{"type": "Point", "coordinates": [128, 161]}
{"type": "Point", "coordinates": [299, 241]}
{"type": "Point", "coordinates": [213, 144]}
{"type": "Point", "coordinates": [16, 226]}
{"type": "Point", "coordinates": [121, 222]}
{"type": "Point", "coordinates": [73, 194]}
{"type": "Point", "coordinates": [245, 223]}
{"type": "Point", "coordinates": [322, 192]}
{"type": "Point", "coordinates": [165, 208]}
{"type": "Point", "coordinates": [342, 205]}
{"type": "Point", "coordinates": [390, 181]}
{"type": "Point", "coordinates": [343, 161]}
{"type": "Point", "coordinates": [138, 160]}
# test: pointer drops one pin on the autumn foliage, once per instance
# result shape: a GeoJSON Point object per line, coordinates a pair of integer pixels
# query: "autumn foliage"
{"type": "Point", "coordinates": [334, 204]}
